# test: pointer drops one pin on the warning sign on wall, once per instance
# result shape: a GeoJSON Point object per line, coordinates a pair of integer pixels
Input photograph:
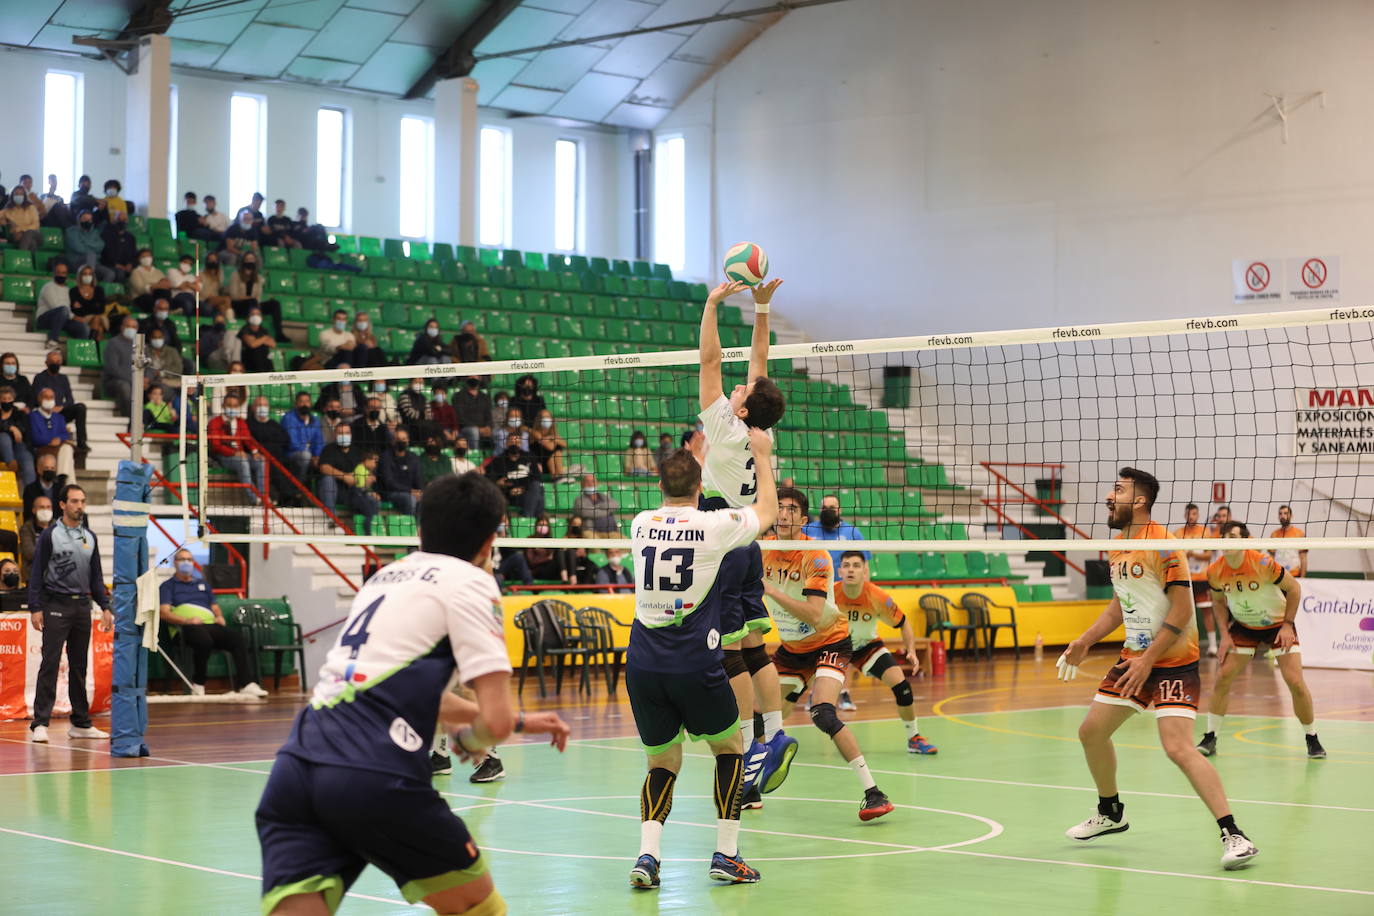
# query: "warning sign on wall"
{"type": "Point", "coordinates": [1314, 278]}
{"type": "Point", "coordinates": [1256, 280]}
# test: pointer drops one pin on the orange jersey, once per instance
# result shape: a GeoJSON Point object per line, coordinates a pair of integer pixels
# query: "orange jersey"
{"type": "Point", "coordinates": [872, 605]}
{"type": "Point", "coordinates": [1289, 558]}
{"type": "Point", "coordinates": [1141, 580]}
{"type": "Point", "coordinates": [1197, 569]}
{"type": "Point", "coordinates": [800, 574]}
{"type": "Point", "coordinates": [1252, 589]}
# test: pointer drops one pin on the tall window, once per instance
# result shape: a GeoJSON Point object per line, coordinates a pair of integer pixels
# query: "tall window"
{"type": "Point", "coordinates": [62, 118]}
{"type": "Point", "coordinates": [493, 196]}
{"type": "Point", "coordinates": [247, 149]}
{"type": "Point", "coordinates": [329, 167]}
{"type": "Point", "coordinates": [417, 177]}
{"type": "Point", "coordinates": [567, 194]}
{"type": "Point", "coordinates": [670, 202]}
{"type": "Point", "coordinates": [173, 196]}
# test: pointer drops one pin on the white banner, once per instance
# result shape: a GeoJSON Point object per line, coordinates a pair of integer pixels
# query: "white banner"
{"type": "Point", "coordinates": [1256, 280]}
{"type": "Point", "coordinates": [1314, 279]}
{"type": "Point", "coordinates": [1333, 421]}
{"type": "Point", "coordinates": [1336, 623]}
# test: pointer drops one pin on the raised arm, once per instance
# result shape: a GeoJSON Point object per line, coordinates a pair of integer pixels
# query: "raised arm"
{"type": "Point", "coordinates": [758, 346]}
{"type": "Point", "coordinates": [765, 484]}
{"type": "Point", "coordinates": [711, 390]}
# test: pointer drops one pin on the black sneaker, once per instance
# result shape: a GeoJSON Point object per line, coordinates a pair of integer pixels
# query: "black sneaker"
{"type": "Point", "coordinates": [875, 805]}
{"type": "Point", "coordinates": [489, 770]}
{"type": "Point", "coordinates": [1208, 745]}
{"type": "Point", "coordinates": [1315, 751]}
{"type": "Point", "coordinates": [752, 800]}
{"type": "Point", "coordinates": [440, 764]}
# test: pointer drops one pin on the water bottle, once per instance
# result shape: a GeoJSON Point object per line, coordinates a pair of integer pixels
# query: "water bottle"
{"type": "Point", "coordinates": [1039, 647]}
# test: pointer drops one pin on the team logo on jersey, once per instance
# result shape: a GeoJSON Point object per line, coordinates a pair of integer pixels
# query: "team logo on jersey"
{"type": "Point", "coordinates": [680, 605]}
{"type": "Point", "coordinates": [713, 639]}
{"type": "Point", "coordinates": [405, 737]}
{"type": "Point", "coordinates": [671, 521]}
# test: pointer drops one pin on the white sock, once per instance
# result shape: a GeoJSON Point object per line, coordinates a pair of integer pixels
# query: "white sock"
{"type": "Point", "coordinates": [913, 728]}
{"type": "Point", "coordinates": [650, 837]}
{"type": "Point", "coordinates": [1311, 728]}
{"type": "Point", "coordinates": [772, 724]}
{"type": "Point", "coordinates": [727, 837]}
{"type": "Point", "coordinates": [860, 769]}
{"type": "Point", "coordinates": [1214, 722]}
{"type": "Point", "coordinates": [440, 741]}
{"type": "Point", "coordinates": [746, 734]}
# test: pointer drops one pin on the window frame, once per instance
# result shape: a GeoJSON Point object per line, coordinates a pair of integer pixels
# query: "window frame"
{"type": "Point", "coordinates": [578, 206]}
{"type": "Point", "coordinates": [426, 195]}
{"type": "Point", "coordinates": [345, 157]}
{"type": "Point", "coordinates": [676, 259]}
{"type": "Point", "coordinates": [76, 159]}
{"type": "Point", "coordinates": [505, 204]}
{"type": "Point", "coordinates": [260, 167]}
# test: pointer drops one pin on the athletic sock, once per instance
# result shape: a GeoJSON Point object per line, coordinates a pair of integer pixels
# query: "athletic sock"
{"type": "Point", "coordinates": [728, 789]}
{"type": "Point", "coordinates": [772, 724]}
{"type": "Point", "coordinates": [1228, 825]}
{"type": "Point", "coordinates": [913, 728]}
{"type": "Point", "coordinates": [746, 733]}
{"type": "Point", "coordinates": [1311, 728]}
{"type": "Point", "coordinates": [1111, 807]}
{"type": "Point", "coordinates": [650, 838]}
{"type": "Point", "coordinates": [727, 837]}
{"type": "Point", "coordinates": [860, 769]}
{"type": "Point", "coordinates": [1214, 722]}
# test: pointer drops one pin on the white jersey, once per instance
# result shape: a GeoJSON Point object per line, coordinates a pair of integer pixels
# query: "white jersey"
{"type": "Point", "coordinates": [729, 468]}
{"type": "Point", "coordinates": [677, 554]}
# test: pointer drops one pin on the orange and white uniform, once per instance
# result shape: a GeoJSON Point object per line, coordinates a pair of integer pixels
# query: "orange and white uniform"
{"type": "Point", "coordinates": [1256, 602]}
{"type": "Point", "coordinates": [1289, 559]}
{"type": "Point", "coordinates": [1197, 569]}
{"type": "Point", "coordinates": [1141, 580]}
{"type": "Point", "coordinates": [799, 574]}
{"type": "Point", "coordinates": [864, 612]}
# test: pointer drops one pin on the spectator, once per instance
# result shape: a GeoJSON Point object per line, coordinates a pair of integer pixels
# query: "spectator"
{"type": "Point", "coordinates": [313, 236]}
{"type": "Point", "coordinates": [218, 348]}
{"type": "Point", "coordinates": [160, 320]}
{"type": "Point", "coordinates": [64, 580]}
{"type": "Point", "coordinates": [365, 482]}
{"type": "Point", "coordinates": [26, 182]}
{"type": "Point", "coordinates": [11, 376]}
{"type": "Point", "coordinates": [442, 415]}
{"type": "Point", "coordinates": [514, 431]}
{"type": "Point", "coordinates": [120, 252]}
{"type": "Point", "coordinates": [187, 402]}
{"type": "Point", "coordinates": [183, 282]}
{"type": "Point", "coordinates": [255, 208]}
{"type": "Point", "coordinates": [596, 509]}
{"type": "Point", "coordinates": [515, 472]}
{"type": "Point", "coordinates": [240, 239]}
{"type": "Point", "coordinates": [305, 438]}
{"type": "Point", "coordinates": [14, 430]}
{"type": "Point", "coordinates": [148, 285]}
{"type": "Point", "coordinates": [214, 298]}
{"type": "Point", "coordinates": [501, 403]}
{"type": "Point", "coordinates": [215, 220]}
{"type": "Point", "coordinates": [337, 344]}
{"type": "Point", "coordinates": [366, 342]}
{"type": "Point", "coordinates": [584, 570]}
{"type": "Point", "coordinates": [84, 244]}
{"type": "Point", "coordinates": [10, 580]}
{"type": "Point", "coordinates": [280, 229]}
{"type": "Point", "coordinates": [245, 294]}
{"type": "Point", "coordinates": [114, 206]}
{"type": "Point", "coordinates": [428, 349]}
{"type": "Point", "coordinates": [510, 564]}
{"type": "Point", "coordinates": [613, 573]}
{"type": "Point", "coordinates": [116, 378]}
{"type": "Point", "coordinates": [391, 413]}
{"type": "Point", "coordinates": [186, 603]}
{"type": "Point", "coordinates": [272, 440]}
{"type": "Point", "coordinates": [87, 302]}
{"type": "Point", "coordinates": [399, 478]}
{"type": "Point", "coordinates": [434, 463]}
{"type": "Point", "coordinates": [188, 222]}
{"type": "Point", "coordinates": [412, 407]}
{"type": "Point", "coordinates": [337, 481]}
{"type": "Point", "coordinates": [48, 435]}
{"type": "Point", "coordinates": [351, 403]}
{"type": "Point", "coordinates": [527, 397]}
{"type": "Point", "coordinates": [473, 410]}
{"type": "Point", "coordinates": [831, 527]}
{"type": "Point", "coordinates": [547, 445]}
{"type": "Point", "coordinates": [461, 463]}
{"type": "Point", "coordinates": [236, 368]}
{"type": "Point", "coordinates": [330, 416]}
{"type": "Point", "coordinates": [1295, 561]}
{"type": "Point", "coordinates": [233, 447]}
{"type": "Point", "coordinates": [468, 346]}
{"type": "Point", "coordinates": [56, 213]}
{"type": "Point", "coordinates": [639, 461]}
{"type": "Point", "coordinates": [48, 483]}
{"type": "Point", "coordinates": [158, 415]}
{"type": "Point", "coordinates": [53, 312]}
{"type": "Point", "coordinates": [547, 562]}
{"type": "Point", "coordinates": [34, 526]}
{"type": "Point", "coordinates": [165, 365]}
{"type": "Point", "coordinates": [82, 198]}
{"type": "Point", "coordinates": [257, 344]}
{"type": "Point", "coordinates": [369, 432]}
{"type": "Point", "coordinates": [20, 220]}
{"type": "Point", "coordinates": [665, 448]}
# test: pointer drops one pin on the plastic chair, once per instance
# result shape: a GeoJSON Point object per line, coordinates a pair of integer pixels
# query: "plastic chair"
{"type": "Point", "coordinates": [264, 630]}
{"type": "Point", "coordinates": [936, 609]}
{"type": "Point", "coordinates": [599, 635]}
{"type": "Point", "coordinates": [979, 608]}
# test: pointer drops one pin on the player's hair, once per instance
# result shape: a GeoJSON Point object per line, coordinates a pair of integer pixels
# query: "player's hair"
{"type": "Point", "coordinates": [470, 499]}
{"type": "Point", "coordinates": [853, 553]}
{"type": "Point", "coordinates": [1227, 508]}
{"type": "Point", "coordinates": [1190, 506]}
{"type": "Point", "coordinates": [796, 496]}
{"type": "Point", "coordinates": [1145, 484]}
{"type": "Point", "coordinates": [1232, 525]}
{"type": "Point", "coordinates": [1281, 508]}
{"type": "Point", "coordinates": [765, 404]}
{"type": "Point", "coordinates": [679, 475]}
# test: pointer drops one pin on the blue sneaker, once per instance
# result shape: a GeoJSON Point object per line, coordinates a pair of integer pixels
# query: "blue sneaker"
{"type": "Point", "coordinates": [645, 872]}
{"type": "Point", "coordinates": [781, 750]}
{"type": "Point", "coordinates": [918, 745]}
{"type": "Point", "coordinates": [754, 759]}
{"type": "Point", "coordinates": [732, 869]}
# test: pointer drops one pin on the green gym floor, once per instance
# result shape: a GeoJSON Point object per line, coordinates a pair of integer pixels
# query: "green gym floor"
{"type": "Point", "coordinates": [978, 828]}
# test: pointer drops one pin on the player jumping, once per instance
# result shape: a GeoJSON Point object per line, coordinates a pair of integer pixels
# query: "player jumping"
{"type": "Point", "coordinates": [1255, 601]}
{"type": "Point", "coordinates": [1158, 667]}
{"type": "Point", "coordinates": [799, 588]}
{"type": "Point", "coordinates": [351, 785]}
{"type": "Point", "coordinates": [673, 669]}
{"type": "Point", "coordinates": [864, 604]}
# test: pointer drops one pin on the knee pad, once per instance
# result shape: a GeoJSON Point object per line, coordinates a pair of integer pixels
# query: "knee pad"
{"type": "Point", "coordinates": [902, 694]}
{"type": "Point", "coordinates": [734, 665]}
{"type": "Point", "coordinates": [824, 717]}
{"type": "Point", "coordinates": [755, 658]}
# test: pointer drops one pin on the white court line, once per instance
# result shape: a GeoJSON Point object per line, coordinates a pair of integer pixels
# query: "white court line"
{"type": "Point", "coordinates": [202, 868]}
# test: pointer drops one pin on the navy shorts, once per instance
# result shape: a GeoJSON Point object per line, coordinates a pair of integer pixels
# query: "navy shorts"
{"type": "Point", "coordinates": [666, 703]}
{"type": "Point", "coordinates": [319, 826]}
{"type": "Point", "coordinates": [740, 586]}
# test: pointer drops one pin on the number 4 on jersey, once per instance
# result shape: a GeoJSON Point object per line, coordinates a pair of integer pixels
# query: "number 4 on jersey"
{"type": "Point", "coordinates": [355, 632]}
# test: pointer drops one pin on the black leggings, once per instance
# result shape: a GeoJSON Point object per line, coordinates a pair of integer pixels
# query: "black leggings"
{"type": "Point", "coordinates": [203, 638]}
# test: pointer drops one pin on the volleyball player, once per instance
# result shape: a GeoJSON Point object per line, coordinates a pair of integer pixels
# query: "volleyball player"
{"type": "Point", "coordinates": [864, 604]}
{"type": "Point", "coordinates": [1158, 668]}
{"type": "Point", "coordinates": [1255, 601]}
{"type": "Point", "coordinates": [674, 670]}
{"type": "Point", "coordinates": [798, 586]}
{"type": "Point", "coordinates": [1197, 568]}
{"type": "Point", "coordinates": [351, 785]}
{"type": "Point", "coordinates": [728, 481]}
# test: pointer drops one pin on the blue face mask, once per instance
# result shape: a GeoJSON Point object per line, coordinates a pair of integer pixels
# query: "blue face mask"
{"type": "Point", "coordinates": [186, 567]}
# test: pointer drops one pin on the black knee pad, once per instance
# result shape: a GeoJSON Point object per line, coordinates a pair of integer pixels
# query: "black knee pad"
{"type": "Point", "coordinates": [902, 694]}
{"type": "Point", "coordinates": [880, 665]}
{"type": "Point", "coordinates": [734, 665]}
{"type": "Point", "coordinates": [755, 658]}
{"type": "Point", "coordinates": [824, 717]}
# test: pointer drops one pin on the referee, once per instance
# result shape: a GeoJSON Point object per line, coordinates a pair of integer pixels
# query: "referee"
{"type": "Point", "coordinates": [65, 578]}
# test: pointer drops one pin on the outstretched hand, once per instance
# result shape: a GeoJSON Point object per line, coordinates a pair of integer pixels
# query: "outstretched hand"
{"type": "Point", "coordinates": [760, 443]}
{"type": "Point", "coordinates": [763, 293]}
{"type": "Point", "coordinates": [725, 291]}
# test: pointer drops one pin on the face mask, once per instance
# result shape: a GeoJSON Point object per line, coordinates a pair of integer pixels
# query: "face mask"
{"type": "Point", "coordinates": [545, 422]}
{"type": "Point", "coordinates": [374, 414]}
{"type": "Point", "coordinates": [231, 413]}
{"type": "Point", "coordinates": [186, 267]}
{"type": "Point", "coordinates": [637, 443]}
{"type": "Point", "coordinates": [43, 515]}
{"type": "Point", "coordinates": [11, 580]}
{"type": "Point", "coordinates": [145, 262]}
{"type": "Point", "coordinates": [614, 561]}
{"type": "Point", "coordinates": [340, 325]}
{"type": "Point", "coordinates": [502, 404]}
{"type": "Point", "coordinates": [574, 531]}
{"type": "Point", "coordinates": [440, 397]}
{"type": "Point", "coordinates": [212, 265]}
{"type": "Point", "coordinates": [60, 279]}
{"type": "Point", "coordinates": [246, 223]}
{"type": "Point", "coordinates": [11, 369]}
{"type": "Point", "coordinates": [830, 518]}
{"type": "Point", "coordinates": [501, 529]}
{"type": "Point", "coordinates": [261, 413]}
{"type": "Point", "coordinates": [589, 491]}
{"type": "Point", "coordinates": [416, 387]}
{"type": "Point", "coordinates": [460, 451]}
{"type": "Point", "coordinates": [111, 192]}
{"type": "Point", "coordinates": [344, 441]}
{"type": "Point", "coordinates": [255, 320]}
{"type": "Point", "coordinates": [361, 326]}
{"type": "Point", "coordinates": [700, 428]}
{"type": "Point", "coordinates": [6, 405]}
{"type": "Point", "coordinates": [85, 224]}
{"type": "Point", "coordinates": [542, 530]}
{"type": "Point", "coordinates": [402, 446]}
{"type": "Point", "coordinates": [474, 384]}
{"type": "Point", "coordinates": [158, 343]}
{"type": "Point", "coordinates": [432, 332]}
{"type": "Point", "coordinates": [303, 409]}
{"type": "Point", "coordinates": [379, 387]}
{"type": "Point", "coordinates": [431, 450]}
{"type": "Point", "coordinates": [129, 333]}
{"type": "Point", "coordinates": [513, 422]}
{"type": "Point", "coordinates": [49, 404]}
{"type": "Point", "coordinates": [86, 280]}
{"type": "Point", "coordinates": [161, 314]}
{"type": "Point", "coordinates": [49, 476]}
{"type": "Point", "coordinates": [332, 414]}
{"type": "Point", "coordinates": [186, 567]}
{"type": "Point", "coordinates": [54, 368]}
{"type": "Point", "coordinates": [18, 197]}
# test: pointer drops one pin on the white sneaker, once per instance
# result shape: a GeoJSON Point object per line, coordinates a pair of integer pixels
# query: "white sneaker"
{"type": "Point", "coordinates": [90, 731]}
{"type": "Point", "coordinates": [1236, 850]}
{"type": "Point", "coordinates": [1211, 650]}
{"type": "Point", "coordinates": [252, 690]}
{"type": "Point", "coordinates": [1097, 825]}
{"type": "Point", "coordinates": [39, 734]}
{"type": "Point", "coordinates": [197, 690]}
{"type": "Point", "coordinates": [846, 702]}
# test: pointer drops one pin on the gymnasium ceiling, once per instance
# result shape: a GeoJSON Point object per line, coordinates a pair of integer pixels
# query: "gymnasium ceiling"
{"type": "Point", "coordinates": [397, 47]}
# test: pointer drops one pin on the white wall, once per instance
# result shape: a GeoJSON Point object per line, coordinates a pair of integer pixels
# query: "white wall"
{"type": "Point", "coordinates": [995, 164]}
{"type": "Point", "coordinates": [203, 158]}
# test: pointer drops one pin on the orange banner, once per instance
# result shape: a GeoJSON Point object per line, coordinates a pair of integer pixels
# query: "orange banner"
{"type": "Point", "coordinates": [13, 636]}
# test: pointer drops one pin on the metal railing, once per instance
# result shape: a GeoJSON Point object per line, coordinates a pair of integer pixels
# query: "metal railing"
{"type": "Point", "coordinates": [1009, 493]}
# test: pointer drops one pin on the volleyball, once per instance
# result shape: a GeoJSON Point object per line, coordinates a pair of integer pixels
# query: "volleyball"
{"type": "Point", "coordinates": [746, 263]}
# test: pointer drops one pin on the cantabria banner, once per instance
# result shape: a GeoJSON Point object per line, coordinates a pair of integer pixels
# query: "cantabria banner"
{"type": "Point", "coordinates": [1336, 623]}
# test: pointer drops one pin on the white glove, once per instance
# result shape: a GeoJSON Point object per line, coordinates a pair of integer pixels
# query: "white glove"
{"type": "Point", "coordinates": [1067, 672]}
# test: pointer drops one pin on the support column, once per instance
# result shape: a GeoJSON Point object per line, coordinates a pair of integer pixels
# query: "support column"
{"type": "Point", "coordinates": [147, 146]}
{"type": "Point", "coordinates": [455, 161]}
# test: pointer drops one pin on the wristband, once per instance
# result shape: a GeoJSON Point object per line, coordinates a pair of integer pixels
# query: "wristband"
{"type": "Point", "coordinates": [520, 723]}
{"type": "Point", "coordinates": [761, 308]}
{"type": "Point", "coordinates": [1171, 628]}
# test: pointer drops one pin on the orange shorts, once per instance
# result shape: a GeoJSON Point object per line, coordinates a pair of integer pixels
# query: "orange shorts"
{"type": "Point", "coordinates": [1171, 691]}
{"type": "Point", "coordinates": [1254, 641]}
{"type": "Point", "coordinates": [829, 660]}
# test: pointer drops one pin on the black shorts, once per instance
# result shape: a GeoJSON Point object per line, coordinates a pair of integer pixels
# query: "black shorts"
{"type": "Point", "coordinates": [872, 659]}
{"type": "Point", "coordinates": [829, 660]}
{"type": "Point", "coordinates": [740, 586]}
{"type": "Point", "coordinates": [319, 826]}
{"type": "Point", "coordinates": [1257, 641]}
{"type": "Point", "coordinates": [667, 703]}
{"type": "Point", "coordinates": [1171, 691]}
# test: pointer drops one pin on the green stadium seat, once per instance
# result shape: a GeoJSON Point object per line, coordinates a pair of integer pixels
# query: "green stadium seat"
{"type": "Point", "coordinates": [348, 244]}
{"type": "Point", "coordinates": [394, 248]}
{"type": "Point", "coordinates": [911, 565]}
{"type": "Point", "coordinates": [642, 269]}
{"type": "Point", "coordinates": [83, 353]}
{"type": "Point", "coordinates": [1021, 591]}
{"type": "Point", "coordinates": [19, 289]}
{"type": "Point", "coordinates": [404, 268]}
{"type": "Point", "coordinates": [310, 283]}
{"type": "Point", "coordinates": [467, 254]}
{"type": "Point", "coordinates": [281, 281]}
{"type": "Point", "coordinates": [18, 261]}
{"type": "Point", "coordinates": [1041, 592]}
{"type": "Point", "coordinates": [621, 267]}
{"type": "Point", "coordinates": [511, 257]}
{"type": "Point", "coordinates": [956, 566]}
{"type": "Point", "coordinates": [885, 567]}
{"type": "Point", "coordinates": [369, 247]}
{"type": "Point", "coordinates": [275, 259]}
{"type": "Point", "coordinates": [489, 256]}
{"type": "Point", "coordinates": [418, 251]}
{"type": "Point", "coordinates": [976, 564]}
{"type": "Point", "coordinates": [429, 271]}
{"type": "Point", "coordinates": [663, 272]}
{"type": "Point", "coordinates": [362, 287]}
{"type": "Point", "coordinates": [52, 239]}
{"type": "Point", "coordinates": [335, 285]}
{"type": "Point", "coordinates": [999, 565]}
{"type": "Point", "coordinates": [381, 267]}
{"type": "Point", "coordinates": [442, 252]}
